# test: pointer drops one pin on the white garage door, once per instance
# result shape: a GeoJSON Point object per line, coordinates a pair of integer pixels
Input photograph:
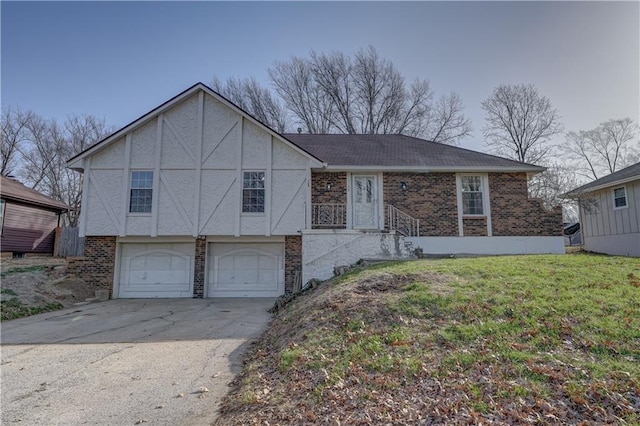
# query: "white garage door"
{"type": "Point", "coordinates": [156, 270]}
{"type": "Point", "coordinates": [246, 269]}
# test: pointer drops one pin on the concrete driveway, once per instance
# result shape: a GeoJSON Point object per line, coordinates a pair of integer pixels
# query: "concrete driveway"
{"type": "Point", "coordinates": [126, 362]}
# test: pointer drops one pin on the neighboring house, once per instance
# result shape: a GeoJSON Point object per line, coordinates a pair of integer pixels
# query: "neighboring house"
{"type": "Point", "coordinates": [29, 219]}
{"type": "Point", "coordinates": [199, 199]}
{"type": "Point", "coordinates": [610, 213]}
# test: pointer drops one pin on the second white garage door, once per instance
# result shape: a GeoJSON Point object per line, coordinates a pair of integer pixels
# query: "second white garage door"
{"type": "Point", "coordinates": [246, 270]}
{"type": "Point", "coordinates": [156, 270]}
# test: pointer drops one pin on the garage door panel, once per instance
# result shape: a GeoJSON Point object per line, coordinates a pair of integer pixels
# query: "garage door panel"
{"type": "Point", "coordinates": [156, 270]}
{"type": "Point", "coordinates": [246, 269]}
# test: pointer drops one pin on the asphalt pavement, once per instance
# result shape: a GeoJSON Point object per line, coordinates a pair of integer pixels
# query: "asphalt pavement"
{"type": "Point", "coordinates": [126, 362]}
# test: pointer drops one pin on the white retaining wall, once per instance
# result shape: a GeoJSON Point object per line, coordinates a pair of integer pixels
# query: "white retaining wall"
{"type": "Point", "coordinates": [323, 250]}
{"type": "Point", "coordinates": [489, 245]}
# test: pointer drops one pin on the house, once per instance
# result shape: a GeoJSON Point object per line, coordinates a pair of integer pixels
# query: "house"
{"type": "Point", "coordinates": [610, 213]}
{"type": "Point", "coordinates": [29, 219]}
{"type": "Point", "coordinates": [199, 199]}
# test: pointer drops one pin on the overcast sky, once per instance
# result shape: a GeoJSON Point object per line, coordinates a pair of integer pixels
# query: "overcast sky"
{"type": "Point", "coordinates": [118, 60]}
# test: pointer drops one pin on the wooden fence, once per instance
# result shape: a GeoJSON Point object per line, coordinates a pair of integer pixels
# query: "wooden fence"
{"type": "Point", "coordinates": [68, 243]}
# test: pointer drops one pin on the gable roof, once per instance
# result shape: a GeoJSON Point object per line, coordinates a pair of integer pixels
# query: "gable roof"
{"type": "Point", "coordinates": [400, 152]}
{"type": "Point", "coordinates": [76, 164]}
{"type": "Point", "coordinates": [13, 190]}
{"type": "Point", "coordinates": [621, 176]}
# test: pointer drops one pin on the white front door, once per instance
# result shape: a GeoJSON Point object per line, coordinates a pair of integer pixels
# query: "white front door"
{"type": "Point", "coordinates": [364, 201]}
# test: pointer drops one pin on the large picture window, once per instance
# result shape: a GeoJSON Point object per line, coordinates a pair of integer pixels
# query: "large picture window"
{"type": "Point", "coordinates": [472, 195]}
{"type": "Point", "coordinates": [620, 197]}
{"type": "Point", "coordinates": [141, 192]}
{"type": "Point", "coordinates": [253, 192]}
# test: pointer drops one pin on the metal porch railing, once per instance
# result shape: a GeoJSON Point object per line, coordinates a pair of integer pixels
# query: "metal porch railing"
{"type": "Point", "coordinates": [329, 215]}
{"type": "Point", "coordinates": [399, 221]}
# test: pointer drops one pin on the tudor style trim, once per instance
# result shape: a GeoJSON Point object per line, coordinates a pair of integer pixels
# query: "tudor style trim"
{"type": "Point", "coordinates": [76, 163]}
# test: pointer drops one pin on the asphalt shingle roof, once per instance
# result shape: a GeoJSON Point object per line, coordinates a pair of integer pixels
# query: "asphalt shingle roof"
{"type": "Point", "coordinates": [626, 173]}
{"type": "Point", "coordinates": [397, 151]}
{"type": "Point", "coordinates": [13, 190]}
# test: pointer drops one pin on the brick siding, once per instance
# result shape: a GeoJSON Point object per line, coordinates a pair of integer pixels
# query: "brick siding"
{"type": "Point", "coordinates": [336, 195]}
{"type": "Point", "coordinates": [292, 261]}
{"type": "Point", "coordinates": [474, 226]}
{"type": "Point", "coordinates": [97, 266]}
{"type": "Point", "coordinates": [430, 197]}
{"type": "Point", "coordinates": [513, 213]}
{"type": "Point", "coordinates": [199, 267]}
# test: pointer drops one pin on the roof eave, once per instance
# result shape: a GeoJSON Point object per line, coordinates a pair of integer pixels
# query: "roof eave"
{"type": "Point", "coordinates": [47, 206]}
{"type": "Point", "coordinates": [440, 169]}
{"type": "Point", "coordinates": [580, 191]}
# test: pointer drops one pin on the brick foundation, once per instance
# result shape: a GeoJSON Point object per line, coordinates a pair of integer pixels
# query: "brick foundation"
{"type": "Point", "coordinates": [292, 261]}
{"type": "Point", "coordinates": [97, 265]}
{"type": "Point", "coordinates": [199, 267]}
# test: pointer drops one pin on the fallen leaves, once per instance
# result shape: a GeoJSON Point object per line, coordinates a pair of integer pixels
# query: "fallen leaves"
{"type": "Point", "coordinates": [354, 364]}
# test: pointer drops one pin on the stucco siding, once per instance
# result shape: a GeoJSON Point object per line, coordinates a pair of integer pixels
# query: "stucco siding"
{"type": "Point", "coordinates": [103, 202]}
{"type": "Point", "coordinates": [142, 147]}
{"type": "Point", "coordinates": [221, 132]}
{"type": "Point", "coordinates": [286, 158]}
{"type": "Point", "coordinates": [288, 201]}
{"type": "Point", "coordinates": [218, 202]}
{"type": "Point", "coordinates": [175, 202]}
{"type": "Point", "coordinates": [197, 150]}
{"type": "Point", "coordinates": [255, 144]}
{"type": "Point", "coordinates": [109, 158]}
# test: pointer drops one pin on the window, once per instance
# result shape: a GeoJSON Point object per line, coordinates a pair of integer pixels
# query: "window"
{"type": "Point", "coordinates": [253, 192]}
{"type": "Point", "coordinates": [472, 195]}
{"type": "Point", "coordinates": [619, 198]}
{"type": "Point", "coordinates": [141, 192]}
{"type": "Point", "coordinates": [364, 190]}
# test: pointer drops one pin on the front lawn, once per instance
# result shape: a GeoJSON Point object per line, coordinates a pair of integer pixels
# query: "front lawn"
{"type": "Point", "coordinates": [505, 340]}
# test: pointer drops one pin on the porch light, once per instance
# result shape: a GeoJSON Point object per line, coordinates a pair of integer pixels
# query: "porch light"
{"type": "Point", "coordinates": [328, 186]}
{"type": "Point", "coordinates": [404, 186]}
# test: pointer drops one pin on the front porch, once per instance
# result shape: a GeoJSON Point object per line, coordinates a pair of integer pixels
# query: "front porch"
{"type": "Point", "coordinates": [340, 216]}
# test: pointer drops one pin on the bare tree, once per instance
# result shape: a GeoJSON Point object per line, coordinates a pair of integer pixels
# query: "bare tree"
{"type": "Point", "coordinates": [256, 100]}
{"type": "Point", "coordinates": [295, 84]}
{"type": "Point", "coordinates": [333, 92]}
{"type": "Point", "coordinates": [367, 94]}
{"type": "Point", "coordinates": [520, 122]}
{"type": "Point", "coordinates": [552, 185]}
{"type": "Point", "coordinates": [609, 147]}
{"type": "Point", "coordinates": [38, 149]}
{"type": "Point", "coordinates": [14, 123]}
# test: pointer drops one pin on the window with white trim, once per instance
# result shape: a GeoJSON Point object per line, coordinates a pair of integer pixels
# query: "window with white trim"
{"type": "Point", "coordinates": [472, 195]}
{"type": "Point", "coordinates": [619, 198]}
{"type": "Point", "coordinates": [253, 192]}
{"type": "Point", "coordinates": [141, 195]}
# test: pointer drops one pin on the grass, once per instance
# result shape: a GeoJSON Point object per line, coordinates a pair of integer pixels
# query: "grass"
{"type": "Point", "coordinates": [22, 269]}
{"type": "Point", "coordinates": [515, 339]}
{"type": "Point", "coordinates": [13, 308]}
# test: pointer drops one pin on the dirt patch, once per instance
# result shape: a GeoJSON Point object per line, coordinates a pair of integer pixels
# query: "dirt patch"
{"type": "Point", "coordinates": [37, 282]}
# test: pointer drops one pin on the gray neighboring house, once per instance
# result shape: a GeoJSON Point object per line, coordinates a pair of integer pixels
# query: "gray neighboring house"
{"type": "Point", "coordinates": [610, 213]}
